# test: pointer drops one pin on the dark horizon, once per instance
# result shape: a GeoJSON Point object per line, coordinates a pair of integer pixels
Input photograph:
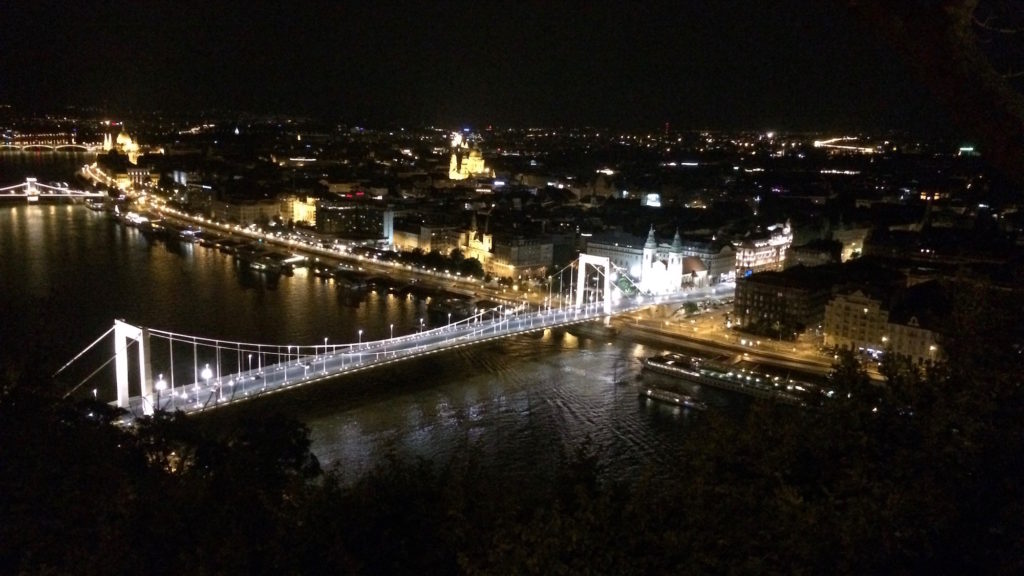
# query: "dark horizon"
{"type": "Point", "coordinates": [797, 65]}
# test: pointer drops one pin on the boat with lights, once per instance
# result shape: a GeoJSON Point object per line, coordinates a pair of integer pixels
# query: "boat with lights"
{"type": "Point", "coordinates": [741, 380]}
{"type": "Point", "coordinates": [674, 398]}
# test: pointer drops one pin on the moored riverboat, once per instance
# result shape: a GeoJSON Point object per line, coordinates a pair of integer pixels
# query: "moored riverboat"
{"type": "Point", "coordinates": [739, 380]}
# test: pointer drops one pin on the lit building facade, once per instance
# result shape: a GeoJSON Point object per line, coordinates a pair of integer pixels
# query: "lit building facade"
{"type": "Point", "coordinates": [913, 340]}
{"type": "Point", "coordinates": [765, 251]}
{"type": "Point", "coordinates": [466, 162]}
{"type": "Point", "coordinates": [771, 297]}
{"type": "Point", "coordinates": [245, 212]}
{"type": "Point", "coordinates": [357, 220]}
{"type": "Point", "coordinates": [428, 237]}
{"type": "Point", "coordinates": [856, 321]}
{"type": "Point", "coordinates": [141, 175]}
{"type": "Point", "coordinates": [667, 267]}
{"type": "Point", "coordinates": [717, 257]}
{"type": "Point", "coordinates": [654, 268]}
{"type": "Point", "coordinates": [861, 323]}
{"type": "Point", "coordinates": [519, 257]}
{"type": "Point", "coordinates": [476, 243]}
{"type": "Point", "coordinates": [124, 144]}
{"type": "Point", "coordinates": [298, 209]}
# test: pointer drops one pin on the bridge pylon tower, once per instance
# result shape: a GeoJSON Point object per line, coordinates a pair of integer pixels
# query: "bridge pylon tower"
{"type": "Point", "coordinates": [123, 332]}
{"type": "Point", "coordinates": [604, 264]}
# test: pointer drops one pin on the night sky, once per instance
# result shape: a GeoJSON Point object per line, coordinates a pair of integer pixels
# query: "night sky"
{"type": "Point", "coordinates": [751, 64]}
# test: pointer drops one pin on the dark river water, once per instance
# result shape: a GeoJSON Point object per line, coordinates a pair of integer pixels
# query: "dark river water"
{"type": "Point", "coordinates": [67, 272]}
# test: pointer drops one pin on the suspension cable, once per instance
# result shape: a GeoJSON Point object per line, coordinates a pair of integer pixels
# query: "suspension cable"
{"type": "Point", "coordinates": [79, 355]}
{"type": "Point", "coordinates": [93, 373]}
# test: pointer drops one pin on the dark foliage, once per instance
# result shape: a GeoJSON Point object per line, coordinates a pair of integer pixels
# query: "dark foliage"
{"type": "Point", "coordinates": [455, 262]}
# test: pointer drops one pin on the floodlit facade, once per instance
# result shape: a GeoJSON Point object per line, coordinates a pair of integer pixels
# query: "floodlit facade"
{"type": "Point", "coordinates": [298, 209]}
{"type": "Point", "coordinates": [765, 251]}
{"type": "Point", "coordinates": [654, 268]}
{"type": "Point", "coordinates": [124, 144]}
{"type": "Point", "coordinates": [465, 162]}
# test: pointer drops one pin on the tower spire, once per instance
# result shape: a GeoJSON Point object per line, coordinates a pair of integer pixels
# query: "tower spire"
{"type": "Point", "coordinates": [651, 241]}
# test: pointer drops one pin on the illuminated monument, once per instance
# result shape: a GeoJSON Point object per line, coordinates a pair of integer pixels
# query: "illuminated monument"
{"type": "Point", "coordinates": [124, 144]}
{"type": "Point", "coordinates": [466, 162]}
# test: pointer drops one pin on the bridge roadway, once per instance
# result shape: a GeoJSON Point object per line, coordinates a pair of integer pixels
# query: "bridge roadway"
{"type": "Point", "coordinates": [227, 389]}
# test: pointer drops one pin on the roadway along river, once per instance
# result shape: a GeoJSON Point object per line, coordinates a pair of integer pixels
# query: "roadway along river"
{"type": "Point", "coordinates": [66, 273]}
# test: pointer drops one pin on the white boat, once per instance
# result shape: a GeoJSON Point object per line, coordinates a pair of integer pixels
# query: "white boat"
{"type": "Point", "coordinates": [674, 398]}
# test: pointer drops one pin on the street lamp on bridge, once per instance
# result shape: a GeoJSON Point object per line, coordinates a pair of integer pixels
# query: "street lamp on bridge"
{"type": "Point", "coordinates": [207, 374]}
{"type": "Point", "coordinates": [161, 385]}
{"type": "Point", "coordinates": [325, 355]}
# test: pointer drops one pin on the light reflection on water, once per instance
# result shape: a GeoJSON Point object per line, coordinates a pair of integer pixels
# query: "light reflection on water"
{"type": "Point", "coordinates": [520, 403]}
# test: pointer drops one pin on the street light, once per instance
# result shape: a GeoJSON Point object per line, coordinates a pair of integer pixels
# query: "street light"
{"type": "Point", "coordinates": [359, 343]}
{"type": "Point", "coordinates": [325, 355]}
{"type": "Point", "coordinates": [250, 362]}
{"type": "Point", "coordinates": [207, 374]}
{"type": "Point", "coordinates": [160, 387]}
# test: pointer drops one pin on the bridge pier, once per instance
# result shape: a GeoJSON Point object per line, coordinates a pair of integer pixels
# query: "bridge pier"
{"type": "Point", "coordinates": [123, 332]}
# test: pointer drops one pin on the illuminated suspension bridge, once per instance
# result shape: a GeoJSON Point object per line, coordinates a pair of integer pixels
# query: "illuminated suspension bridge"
{"type": "Point", "coordinates": [33, 191]}
{"type": "Point", "coordinates": [194, 373]}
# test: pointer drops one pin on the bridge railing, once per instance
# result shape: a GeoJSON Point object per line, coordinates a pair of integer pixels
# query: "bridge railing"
{"type": "Point", "coordinates": [332, 360]}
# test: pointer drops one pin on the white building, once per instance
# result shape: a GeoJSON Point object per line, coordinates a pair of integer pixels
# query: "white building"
{"type": "Point", "coordinates": [655, 268]}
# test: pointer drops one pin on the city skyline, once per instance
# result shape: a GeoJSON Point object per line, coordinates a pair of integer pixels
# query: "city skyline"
{"type": "Point", "coordinates": [794, 65]}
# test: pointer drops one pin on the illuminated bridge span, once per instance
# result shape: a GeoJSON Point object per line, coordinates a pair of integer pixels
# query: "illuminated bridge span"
{"type": "Point", "coordinates": [52, 147]}
{"type": "Point", "coordinates": [33, 191]}
{"type": "Point", "coordinates": [191, 373]}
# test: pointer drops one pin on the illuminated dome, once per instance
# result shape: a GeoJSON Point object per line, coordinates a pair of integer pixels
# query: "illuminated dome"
{"type": "Point", "coordinates": [127, 146]}
{"type": "Point", "coordinates": [472, 165]}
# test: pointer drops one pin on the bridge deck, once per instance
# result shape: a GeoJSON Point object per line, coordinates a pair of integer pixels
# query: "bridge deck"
{"type": "Point", "coordinates": [228, 389]}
